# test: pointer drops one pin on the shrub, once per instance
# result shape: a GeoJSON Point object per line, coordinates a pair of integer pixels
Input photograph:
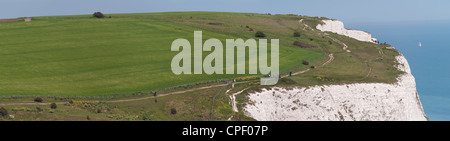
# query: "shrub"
{"type": "Point", "coordinates": [38, 99]}
{"type": "Point", "coordinates": [216, 23]}
{"type": "Point", "coordinates": [53, 106]}
{"type": "Point", "coordinates": [98, 15]}
{"type": "Point", "coordinates": [260, 34]}
{"type": "Point", "coordinates": [304, 62]}
{"type": "Point", "coordinates": [330, 42]}
{"type": "Point", "coordinates": [173, 111]}
{"type": "Point", "coordinates": [39, 109]}
{"type": "Point", "coordinates": [296, 34]}
{"type": "Point", "coordinates": [3, 112]}
{"type": "Point", "coordinates": [304, 45]}
{"type": "Point", "coordinates": [286, 81]}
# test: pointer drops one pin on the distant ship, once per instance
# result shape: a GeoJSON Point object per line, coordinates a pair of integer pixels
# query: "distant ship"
{"type": "Point", "coordinates": [420, 44]}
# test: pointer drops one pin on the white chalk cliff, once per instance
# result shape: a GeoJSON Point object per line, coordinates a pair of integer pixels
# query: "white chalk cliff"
{"type": "Point", "coordinates": [338, 28]}
{"type": "Point", "coordinates": [359, 101]}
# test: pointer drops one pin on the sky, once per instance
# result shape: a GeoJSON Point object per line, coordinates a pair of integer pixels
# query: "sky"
{"type": "Point", "coordinates": [344, 10]}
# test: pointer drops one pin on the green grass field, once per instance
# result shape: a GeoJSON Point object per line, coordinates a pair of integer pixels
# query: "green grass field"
{"type": "Point", "coordinates": [84, 56]}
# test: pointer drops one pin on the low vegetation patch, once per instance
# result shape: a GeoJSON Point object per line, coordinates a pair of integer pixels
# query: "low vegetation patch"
{"type": "Point", "coordinates": [3, 112]}
{"type": "Point", "coordinates": [260, 34]}
{"type": "Point", "coordinates": [296, 34]}
{"type": "Point", "coordinates": [304, 45]}
{"type": "Point", "coordinates": [216, 23]}
{"type": "Point", "coordinates": [98, 15]}
{"type": "Point", "coordinates": [53, 106]}
{"type": "Point", "coordinates": [38, 99]}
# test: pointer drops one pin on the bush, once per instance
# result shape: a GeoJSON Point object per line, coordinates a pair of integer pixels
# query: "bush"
{"type": "Point", "coordinates": [216, 23]}
{"type": "Point", "coordinates": [98, 15]}
{"type": "Point", "coordinates": [296, 34]}
{"type": "Point", "coordinates": [304, 62]}
{"type": "Point", "coordinates": [260, 34]}
{"type": "Point", "coordinates": [53, 106]}
{"type": "Point", "coordinates": [286, 81]}
{"type": "Point", "coordinates": [304, 45]}
{"type": "Point", "coordinates": [39, 109]}
{"type": "Point", "coordinates": [3, 112]}
{"type": "Point", "coordinates": [173, 111]}
{"type": "Point", "coordinates": [38, 99]}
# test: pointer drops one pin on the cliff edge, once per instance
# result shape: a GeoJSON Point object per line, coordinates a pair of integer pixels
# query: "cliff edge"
{"type": "Point", "coordinates": [359, 101]}
{"type": "Point", "coordinates": [338, 28]}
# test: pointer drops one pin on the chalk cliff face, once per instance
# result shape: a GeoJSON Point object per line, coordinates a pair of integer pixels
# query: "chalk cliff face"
{"type": "Point", "coordinates": [370, 101]}
{"type": "Point", "coordinates": [360, 101]}
{"type": "Point", "coordinates": [338, 28]}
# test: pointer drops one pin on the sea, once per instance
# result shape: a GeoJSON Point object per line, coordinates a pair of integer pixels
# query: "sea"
{"type": "Point", "coordinates": [430, 62]}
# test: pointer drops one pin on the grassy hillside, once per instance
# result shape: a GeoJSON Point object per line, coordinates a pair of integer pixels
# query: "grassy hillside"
{"type": "Point", "coordinates": [95, 61]}
{"type": "Point", "coordinates": [84, 56]}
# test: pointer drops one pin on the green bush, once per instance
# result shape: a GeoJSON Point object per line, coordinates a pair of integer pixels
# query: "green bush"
{"type": "Point", "coordinates": [296, 34]}
{"type": "Point", "coordinates": [3, 112]}
{"type": "Point", "coordinates": [98, 15]}
{"type": "Point", "coordinates": [173, 111]}
{"type": "Point", "coordinates": [38, 109]}
{"type": "Point", "coordinates": [304, 45]}
{"type": "Point", "coordinates": [53, 106]}
{"type": "Point", "coordinates": [304, 62]}
{"type": "Point", "coordinates": [38, 99]}
{"type": "Point", "coordinates": [260, 34]}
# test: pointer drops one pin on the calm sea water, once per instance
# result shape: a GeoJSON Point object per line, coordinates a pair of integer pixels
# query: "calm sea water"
{"type": "Point", "coordinates": [430, 64]}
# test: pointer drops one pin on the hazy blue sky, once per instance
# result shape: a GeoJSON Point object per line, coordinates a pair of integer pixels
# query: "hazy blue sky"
{"type": "Point", "coordinates": [345, 10]}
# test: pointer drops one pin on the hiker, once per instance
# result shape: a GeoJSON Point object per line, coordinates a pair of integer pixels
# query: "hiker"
{"type": "Point", "coordinates": [154, 94]}
{"type": "Point", "coordinates": [290, 74]}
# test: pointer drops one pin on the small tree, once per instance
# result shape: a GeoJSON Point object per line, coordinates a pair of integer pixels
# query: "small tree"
{"type": "Point", "coordinates": [53, 106]}
{"type": "Point", "coordinates": [3, 112]}
{"type": "Point", "coordinates": [173, 111]}
{"type": "Point", "coordinates": [296, 34]}
{"type": "Point", "coordinates": [260, 34]}
{"type": "Point", "coordinates": [38, 99]}
{"type": "Point", "coordinates": [99, 15]}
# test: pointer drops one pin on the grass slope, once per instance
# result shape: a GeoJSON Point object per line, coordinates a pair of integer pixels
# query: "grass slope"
{"type": "Point", "coordinates": [84, 56]}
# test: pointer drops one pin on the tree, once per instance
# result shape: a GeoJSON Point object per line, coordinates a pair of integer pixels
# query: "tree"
{"type": "Point", "coordinates": [38, 99]}
{"type": "Point", "coordinates": [260, 34]}
{"type": "Point", "coordinates": [98, 15]}
{"type": "Point", "coordinates": [3, 112]}
{"type": "Point", "coordinates": [296, 34]}
{"type": "Point", "coordinates": [53, 106]}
